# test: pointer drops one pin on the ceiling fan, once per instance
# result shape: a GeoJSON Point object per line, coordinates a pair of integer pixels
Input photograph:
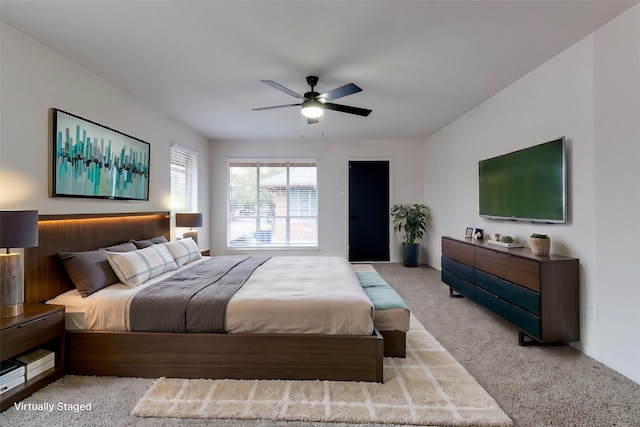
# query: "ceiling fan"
{"type": "Point", "coordinates": [313, 103]}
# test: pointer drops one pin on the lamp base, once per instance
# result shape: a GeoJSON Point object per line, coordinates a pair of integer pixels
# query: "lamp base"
{"type": "Point", "coordinates": [11, 311]}
{"type": "Point", "coordinates": [11, 285]}
{"type": "Point", "coordinates": [193, 234]}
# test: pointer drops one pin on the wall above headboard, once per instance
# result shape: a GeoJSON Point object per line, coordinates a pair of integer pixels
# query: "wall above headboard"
{"type": "Point", "coordinates": [26, 180]}
{"type": "Point", "coordinates": [44, 276]}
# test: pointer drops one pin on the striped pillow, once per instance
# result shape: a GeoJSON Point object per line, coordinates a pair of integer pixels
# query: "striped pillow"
{"type": "Point", "coordinates": [135, 268]}
{"type": "Point", "coordinates": [183, 251]}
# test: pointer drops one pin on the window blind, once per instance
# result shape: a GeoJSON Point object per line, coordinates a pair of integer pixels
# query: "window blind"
{"type": "Point", "coordinates": [184, 179]}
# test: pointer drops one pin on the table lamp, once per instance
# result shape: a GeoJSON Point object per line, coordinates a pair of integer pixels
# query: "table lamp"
{"type": "Point", "coordinates": [18, 229]}
{"type": "Point", "coordinates": [189, 220]}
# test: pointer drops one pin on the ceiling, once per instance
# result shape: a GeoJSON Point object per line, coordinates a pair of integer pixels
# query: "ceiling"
{"type": "Point", "coordinates": [421, 64]}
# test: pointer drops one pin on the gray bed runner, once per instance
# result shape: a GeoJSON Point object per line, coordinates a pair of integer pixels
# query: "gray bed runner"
{"type": "Point", "coordinates": [193, 300]}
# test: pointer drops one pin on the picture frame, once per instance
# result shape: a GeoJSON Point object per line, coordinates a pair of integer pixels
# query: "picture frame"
{"type": "Point", "coordinates": [468, 232]}
{"type": "Point", "coordinates": [478, 233]}
{"type": "Point", "coordinates": [90, 160]}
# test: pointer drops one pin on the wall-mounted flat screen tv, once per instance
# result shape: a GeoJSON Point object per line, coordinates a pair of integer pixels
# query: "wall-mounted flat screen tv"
{"type": "Point", "coordinates": [526, 185]}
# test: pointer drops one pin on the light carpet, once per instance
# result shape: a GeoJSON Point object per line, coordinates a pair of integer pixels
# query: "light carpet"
{"type": "Point", "coordinates": [429, 387]}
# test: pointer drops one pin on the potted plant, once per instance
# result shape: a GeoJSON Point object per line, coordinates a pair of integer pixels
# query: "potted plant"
{"type": "Point", "coordinates": [410, 220]}
{"type": "Point", "coordinates": [540, 244]}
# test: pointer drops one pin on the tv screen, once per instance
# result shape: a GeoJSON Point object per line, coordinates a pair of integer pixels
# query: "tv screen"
{"type": "Point", "coordinates": [526, 185]}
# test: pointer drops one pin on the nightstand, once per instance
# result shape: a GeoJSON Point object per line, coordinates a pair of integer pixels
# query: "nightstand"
{"type": "Point", "coordinates": [40, 326]}
{"type": "Point", "coordinates": [205, 252]}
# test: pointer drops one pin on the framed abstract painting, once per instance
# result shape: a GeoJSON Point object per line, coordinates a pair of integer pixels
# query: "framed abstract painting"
{"type": "Point", "coordinates": [91, 160]}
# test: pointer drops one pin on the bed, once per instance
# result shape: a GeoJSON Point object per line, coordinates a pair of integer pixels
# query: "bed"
{"type": "Point", "coordinates": [259, 351]}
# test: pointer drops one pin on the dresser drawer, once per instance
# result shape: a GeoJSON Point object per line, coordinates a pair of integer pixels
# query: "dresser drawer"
{"type": "Point", "coordinates": [458, 250]}
{"type": "Point", "coordinates": [520, 318]}
{"type": "Point", "coordinates": [459, 269]}
{"type": "Point", "coordinates": [522, 297]}
{"type": "Point", "coordinates": [459, 284]}
{"type": "Point", "coordinates": [512, 268]}
{"type": "Point", "coordinates": [25, 336]}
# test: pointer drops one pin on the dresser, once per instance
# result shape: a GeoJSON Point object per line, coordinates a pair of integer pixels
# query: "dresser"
{"type": "Point", "coordinates": [538, 295]}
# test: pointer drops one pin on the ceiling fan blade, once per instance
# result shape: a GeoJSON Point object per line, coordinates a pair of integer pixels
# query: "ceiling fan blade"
{"type": "Point", "coordinates": [339, 92]}
{"type": "Point", "coordinates": [346, 109]}
{"type": "Point", "coordinates": [275, 106]}
{"type": "Point", "coordinates": [282, 88]}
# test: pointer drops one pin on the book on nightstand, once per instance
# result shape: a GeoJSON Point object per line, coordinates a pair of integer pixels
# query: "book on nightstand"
{"type": "Point", "coordinates": [37, 362]}
{"type": "Point", "coordinates": [11, 375]}
{"type": "Point", "coordinates": [9, 371]}
{"type": "Point", "coordinates": [11, 384]}
{"type": "Point", "coordinates": [40, 369]}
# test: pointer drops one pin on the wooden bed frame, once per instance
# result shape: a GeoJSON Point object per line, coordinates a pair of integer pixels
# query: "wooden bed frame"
{"type": "Point", "coordinates": [152, 355]}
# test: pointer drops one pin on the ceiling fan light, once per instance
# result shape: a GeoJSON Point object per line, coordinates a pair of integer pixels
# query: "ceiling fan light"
{"type": "Point", "coordinates": [312, 109]}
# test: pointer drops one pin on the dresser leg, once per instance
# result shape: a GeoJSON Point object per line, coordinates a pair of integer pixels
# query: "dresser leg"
{"type": "Point", "coordinates": [454, 294]}
{"type": "Point", "coordinates": [526, 340]}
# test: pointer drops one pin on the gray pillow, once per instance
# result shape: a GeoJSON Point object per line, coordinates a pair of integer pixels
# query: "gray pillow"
{"type": "Point", "coordinates": [141, 244]}
{"type": "Point", "coordinates": [89, 271]}
{"type": "Point", "coordinates": [122, 247]}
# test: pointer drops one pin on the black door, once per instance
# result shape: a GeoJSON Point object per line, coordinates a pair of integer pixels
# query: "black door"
{"type": "Point", "coordinates": [369, 211]}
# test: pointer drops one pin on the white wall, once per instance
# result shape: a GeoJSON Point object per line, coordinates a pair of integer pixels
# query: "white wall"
{"type": "Point", "coordinates": [34, 79]}
{"type": "Point", "coordinates": [590, 94]}
{"type": "Point", "coordinates": [405, 181]}
{"type": "Point", "coordinates": [616, 92]}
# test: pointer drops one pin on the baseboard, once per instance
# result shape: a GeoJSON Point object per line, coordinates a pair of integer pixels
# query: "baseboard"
{"type": "Point", "coordinates": [633, 376]}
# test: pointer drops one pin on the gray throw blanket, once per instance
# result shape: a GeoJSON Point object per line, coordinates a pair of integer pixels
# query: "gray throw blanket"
{"type": "Point", "coordinates": [193, 300]}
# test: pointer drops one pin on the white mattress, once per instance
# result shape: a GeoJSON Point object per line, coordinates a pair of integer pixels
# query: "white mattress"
{"type": "Point", "coordinates": [319, 295]}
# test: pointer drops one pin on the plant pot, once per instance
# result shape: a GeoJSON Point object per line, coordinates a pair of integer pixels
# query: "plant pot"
{"type": "Point", "coordinates": [540, 246]}
{"type": "Point", "coordinates": [410, 254]}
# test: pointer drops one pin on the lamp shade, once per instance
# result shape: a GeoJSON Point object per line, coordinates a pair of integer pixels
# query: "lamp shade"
{"type": "Point", "coordinates": [18, 229]}
{"type": "Point", "coordinates": [188, 220]}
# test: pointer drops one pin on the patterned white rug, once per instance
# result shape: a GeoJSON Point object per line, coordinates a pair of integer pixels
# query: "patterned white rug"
{"type": "Point", "coordinates": [429, 387]}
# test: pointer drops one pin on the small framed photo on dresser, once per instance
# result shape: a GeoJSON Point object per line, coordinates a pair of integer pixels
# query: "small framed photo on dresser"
{"type": "Point", "coordinates": [468, 232]}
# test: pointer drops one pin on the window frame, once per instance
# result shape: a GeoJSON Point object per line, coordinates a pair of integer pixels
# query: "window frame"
{"type": "Point", "coordinates": [273, 162]}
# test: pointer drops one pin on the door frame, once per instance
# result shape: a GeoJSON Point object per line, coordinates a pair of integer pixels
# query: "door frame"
{"type": "Point", "coordinates": [346, 204]}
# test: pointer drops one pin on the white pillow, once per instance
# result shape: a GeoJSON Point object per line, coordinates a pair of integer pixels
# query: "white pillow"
{"type": "Point", "coordinates": [183, 251]}
{"type": "Point", "coordinates": [136, 267]}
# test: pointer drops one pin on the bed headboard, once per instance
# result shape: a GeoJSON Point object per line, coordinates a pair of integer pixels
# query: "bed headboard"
{"type": "Point", "coordinates": [44, 275]}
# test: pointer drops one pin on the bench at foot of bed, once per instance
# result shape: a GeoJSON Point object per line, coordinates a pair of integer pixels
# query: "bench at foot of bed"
{"type": "Point", "coordinates": [395, 343]}
{"type": "Point", "coordinates": [391, 312]}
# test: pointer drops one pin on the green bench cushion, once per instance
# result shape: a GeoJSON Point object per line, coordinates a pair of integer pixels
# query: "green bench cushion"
{"type": "Point", "coordinates": [381, 294]}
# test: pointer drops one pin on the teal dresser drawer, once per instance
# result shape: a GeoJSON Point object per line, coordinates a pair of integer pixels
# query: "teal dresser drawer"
{"type": "Point", "coordinates": [522, 297]}
{"type": "Point", "coordinates": [518, 317]}
{"type": "Point", "coordinates": [467, 272]}
{"type": "Point", "coordinates": [459, 284]}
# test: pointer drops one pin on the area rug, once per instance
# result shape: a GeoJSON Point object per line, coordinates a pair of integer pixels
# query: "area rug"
{"type": "Point", "coordinates": [429, 387]}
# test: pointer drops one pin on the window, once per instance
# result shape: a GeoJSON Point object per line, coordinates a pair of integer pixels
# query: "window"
{"type": "Point", "coordinates": [184, 179]}
{"type": "Point", "coordinates": [272, 204]}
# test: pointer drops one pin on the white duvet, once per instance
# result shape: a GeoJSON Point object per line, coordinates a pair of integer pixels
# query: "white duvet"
{"type": "Point", "coordinates": [293, 295]}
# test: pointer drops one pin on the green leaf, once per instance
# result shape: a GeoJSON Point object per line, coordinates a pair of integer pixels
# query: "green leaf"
{"type": "Point", "coordinates": [411, 220]}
